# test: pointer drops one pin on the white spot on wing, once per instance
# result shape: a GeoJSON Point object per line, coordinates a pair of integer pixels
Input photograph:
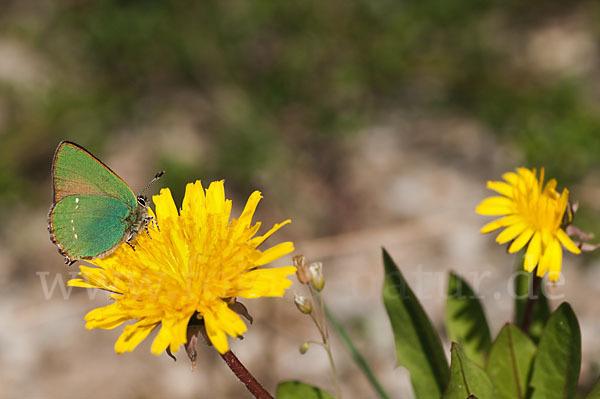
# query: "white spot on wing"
{"type": "Point", "coordinates": [75, 235]}
{"type": "Point", "coordinates": [76, 200]}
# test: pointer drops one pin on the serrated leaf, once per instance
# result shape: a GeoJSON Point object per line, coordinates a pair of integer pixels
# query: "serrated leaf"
{"type": "Point", "coordinates": [300, 390]}
{"type": "Point", "coordinates": [558, 359]}
{"type": "Point", "coordinates": [595, 392]}
{"type": "Point", "coordinates": [541, 311]}
{"type": "Point", "coordinates": [418, 347]}
{"type": "Point", "coordinates": [465, 320]}
{"type": "Point", "coordinates": [509, 363]}
{"type": "Point", "coordinates": [466, 377]}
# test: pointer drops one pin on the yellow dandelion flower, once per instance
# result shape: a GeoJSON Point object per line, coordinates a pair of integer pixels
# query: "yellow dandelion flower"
{"type": "Point", "coordinates": [196, 262]}
{"type": "Point", "coordinates": [532, 215]}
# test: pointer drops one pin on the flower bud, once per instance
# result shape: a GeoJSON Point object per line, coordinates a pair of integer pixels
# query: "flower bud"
{"type": "Point", "coordinates": [317, 278]}
{"type": "Point", "coordinates": [304, 347]}
{"type": "Point", "coordinates": [302, 271]}
{"type": "Point", "coordinates": [303, 304]}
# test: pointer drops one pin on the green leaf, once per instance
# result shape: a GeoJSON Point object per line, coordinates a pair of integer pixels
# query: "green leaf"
{"type": "Point", "coordinates": [466, 377]}
{"type": "Point", "coordinates": [358, 358]}
{"type": "Point", "coordinates": [300, 390]}
{"type": "Point", "coordinates": [541, 310]}
{"type": "Point", "coordinates": [558, 360]}
{"type": "Point", "coordinates": [595, 392]}
{"type": "Point", "coordinates": [465, 320]}
{"type": "Point", "coordinates": [509, 363]}
{"type": "Point", "coordinates": [418, 347]}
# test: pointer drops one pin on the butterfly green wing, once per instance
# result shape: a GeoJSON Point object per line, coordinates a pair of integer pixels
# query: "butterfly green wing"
{"type": "Point", "coordinates": [77, 172]}
{"type": "Point", "coordinates": [88, 226]}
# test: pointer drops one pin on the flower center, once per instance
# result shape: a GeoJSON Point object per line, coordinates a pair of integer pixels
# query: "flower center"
{"type": "Point", "coordinates": [541, 210]}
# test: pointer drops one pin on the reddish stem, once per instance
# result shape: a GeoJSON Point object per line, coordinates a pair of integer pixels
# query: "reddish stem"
{"type": "Point", "coordinates": [245, 377]}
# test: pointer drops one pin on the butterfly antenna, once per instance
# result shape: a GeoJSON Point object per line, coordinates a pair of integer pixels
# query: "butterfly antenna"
{"type": "Point", "coordinates": [155, 178]}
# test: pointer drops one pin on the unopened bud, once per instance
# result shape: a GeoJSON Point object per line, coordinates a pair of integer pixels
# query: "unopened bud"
{"type": "Point", "coordinates": [303, 304]}
{"type": "Point", "coordinates": [317, 278]}
{"type": "Point", "coordinates": [304, 347]}
{"type": "Point", "coordinates": [302, 271]}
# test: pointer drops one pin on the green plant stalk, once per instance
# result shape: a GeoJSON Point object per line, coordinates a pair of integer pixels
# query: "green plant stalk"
{"type": "Point", "coordinates": [358, 358]}
{"type": "Point", "coordinates": [322, 327]}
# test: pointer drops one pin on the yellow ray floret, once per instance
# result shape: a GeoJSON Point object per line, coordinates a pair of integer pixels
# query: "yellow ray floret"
{"type": "Point", "coordinates": [197, 261]}
{"type": "Point", "coordinates": [532, 216]}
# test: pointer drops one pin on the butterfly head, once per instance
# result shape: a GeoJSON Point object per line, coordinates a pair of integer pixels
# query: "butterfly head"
{"type": "Point", "coordinates": [142, 201]}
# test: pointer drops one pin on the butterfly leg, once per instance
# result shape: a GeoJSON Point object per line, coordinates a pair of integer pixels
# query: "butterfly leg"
{"type": "Point", "coordinates": [129, 239]}
{"type": "Point", "coordinates": [147, 221]}
{"type": "Point", "coordinates": [130, 244]}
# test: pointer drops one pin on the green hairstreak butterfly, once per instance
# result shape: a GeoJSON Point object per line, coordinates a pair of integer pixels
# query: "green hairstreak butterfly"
{"type": "Point", "coordinates": [93, 211]}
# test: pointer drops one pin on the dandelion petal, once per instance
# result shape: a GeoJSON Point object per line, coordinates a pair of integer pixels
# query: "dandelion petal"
{"type": "Point", "coordinates": [510, 233]}
{"type": "Point", "coordinates": [165, 206]}
{"type": "Point", "coordinates": [275, 252]}
{"type": "Point", "coordinates": [163, 339]}
{"type": "Point", "coordinates": [264, 282]}
{"type": "Point", "coordinates": [534, 250]}
{"type": "Point", "coordinates": [132, 335]}
{"type": "Point", "coordinates": [494, 206]}
{"type": "Point", "coordinates": [521, 240]}
{"type": "Point", "coordinates": [567, 242]}
{"type": "Point", "coordinates": [501, 187]}
{"type": "Point", "coordinates": [555, 260]}
{"type": "Point", "coordinates": [220, 320]}
{"type": "Point", "coordinates": [511, 177]}
{"type": "Point", "coordinates": [499, 223]}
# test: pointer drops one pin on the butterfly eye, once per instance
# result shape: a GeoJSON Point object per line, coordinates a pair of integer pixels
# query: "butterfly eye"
{"type": "Point", "coordinates": [141, 200]}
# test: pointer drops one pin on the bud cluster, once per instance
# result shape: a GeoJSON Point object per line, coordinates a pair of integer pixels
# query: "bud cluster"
{"type": "Point", "coordinates": [313, 278]}
{"type": "Point", "coordinates": [309, 274]}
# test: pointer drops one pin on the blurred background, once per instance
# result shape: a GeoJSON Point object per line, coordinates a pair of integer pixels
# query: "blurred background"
{"type": "Point", "coordinates": [369, 123]}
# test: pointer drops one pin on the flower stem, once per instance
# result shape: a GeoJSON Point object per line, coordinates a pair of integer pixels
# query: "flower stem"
{"type": "Point", "coordinates": [534, 294]}
{"type": "Point", "coordinates": [322, 326]}
{"type": "Point", "coordinates": [245, 377]}
{"type": "Point", "coordinates": [338, 391]}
